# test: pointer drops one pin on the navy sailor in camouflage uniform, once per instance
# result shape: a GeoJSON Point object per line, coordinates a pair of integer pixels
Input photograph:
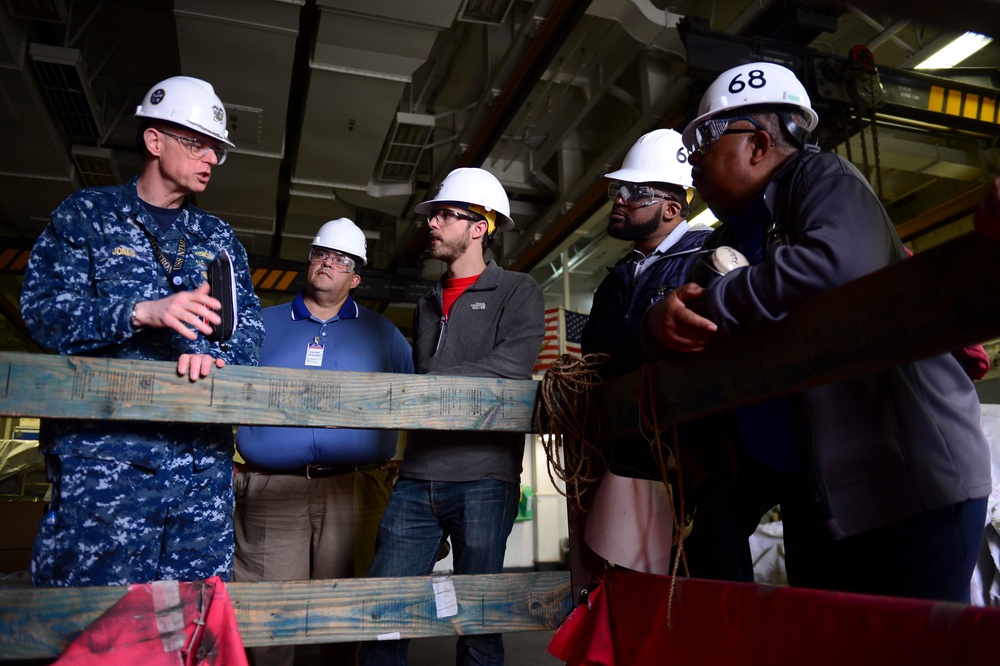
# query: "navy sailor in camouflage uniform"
{"type": "Point", "coordinates": [120, 272]}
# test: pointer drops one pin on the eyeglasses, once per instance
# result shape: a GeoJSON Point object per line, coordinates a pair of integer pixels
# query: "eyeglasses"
{"type": "Point", "coordinates": [446, 216]}
{"type": "Point", "coordinates": [198, 148]}
{"type": "Point", "coordinates": [712, 130]}
{"type": "Point", "coordinates": [340, 262]}
{"type": "Point", "coordinates": [635, 195]}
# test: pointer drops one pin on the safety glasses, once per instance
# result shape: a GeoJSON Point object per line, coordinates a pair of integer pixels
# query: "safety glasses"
{"type": "Point", "coordinates": [711, 131]}
{"type": "Point", "coordinates": [198, 148]}
{"type": "Point", "coordinates": [636, 195]}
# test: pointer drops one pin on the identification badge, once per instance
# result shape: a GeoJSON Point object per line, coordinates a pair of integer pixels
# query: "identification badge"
{"type": "Point", "coordinates": [314, 355]}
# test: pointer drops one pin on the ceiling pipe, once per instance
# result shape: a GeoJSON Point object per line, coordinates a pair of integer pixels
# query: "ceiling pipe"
{"type": "Point", "coordinates": [294, 118]}
{"type": "Point", "coordinates": [543, 49]}
{"type": "Point", "coordinates": [887, 34]}
{"type": "Point", "coordinates": [881, 28]}
{"type": "Point", "coordinates": [552, 33]}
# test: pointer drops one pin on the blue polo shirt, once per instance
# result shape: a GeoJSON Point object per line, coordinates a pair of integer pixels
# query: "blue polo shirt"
{"type": "Point", "coordinates": [356, 339]}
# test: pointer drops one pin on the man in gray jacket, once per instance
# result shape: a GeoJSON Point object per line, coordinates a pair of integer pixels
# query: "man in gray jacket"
{"type": "Point", "coordinates": [882, 479]}
{"type": "Point", "coordinates": [482, 321]}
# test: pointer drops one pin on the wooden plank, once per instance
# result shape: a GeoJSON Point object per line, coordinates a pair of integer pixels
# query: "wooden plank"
{"type": "Point", "coordinates": [41, 622]}
{"type": "Point", "coordinates": [82, 387]}
{"type": "Point", "coordinates": [962, 204]}
{"type": "Point", "coordinates": [937, 301]}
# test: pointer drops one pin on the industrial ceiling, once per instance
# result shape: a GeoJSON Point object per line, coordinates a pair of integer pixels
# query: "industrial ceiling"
{"type": "Point", "coordinates": [358, 108]}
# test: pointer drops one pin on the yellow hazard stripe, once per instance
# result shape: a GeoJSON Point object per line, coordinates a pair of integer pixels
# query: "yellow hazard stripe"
{"type": "Point", "coordinates": [965, 105]}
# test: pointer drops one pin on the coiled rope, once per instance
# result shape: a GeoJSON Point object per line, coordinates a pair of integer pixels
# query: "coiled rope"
{"type": "Point", "coordinates": [570, 436]}
{"type": "Point", "coordinates": [571, 439]}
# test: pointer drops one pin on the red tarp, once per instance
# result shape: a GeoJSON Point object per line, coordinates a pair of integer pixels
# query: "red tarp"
{"type": "Point", "coordinates": [624, 623]}
{"type": "Point", "coordinates": [165, 623]}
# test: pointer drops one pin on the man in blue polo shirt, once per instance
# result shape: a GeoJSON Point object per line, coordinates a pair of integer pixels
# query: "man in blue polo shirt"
{"type": "Point", "coordinates": [309, 500]}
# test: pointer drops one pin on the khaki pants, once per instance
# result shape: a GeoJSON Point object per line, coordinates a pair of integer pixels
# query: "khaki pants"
{"type": "Point", "coordinates": [288, 527]}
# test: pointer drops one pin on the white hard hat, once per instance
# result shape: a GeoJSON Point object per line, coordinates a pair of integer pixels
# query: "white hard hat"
{"type": "Point", "coordinates": [657, 157]}
{"type": "Point", "coordinates": [478, 188]}
{"type": "Point", "coordinates": [189, 102]}
{"type": "Point", "coordinates": [344, 236]}
{"type": "Point", "coordinates": [751, 84]}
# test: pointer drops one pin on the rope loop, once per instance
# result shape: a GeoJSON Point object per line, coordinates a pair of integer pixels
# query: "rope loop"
{"type": "Point", "coordinates": [570, 436]}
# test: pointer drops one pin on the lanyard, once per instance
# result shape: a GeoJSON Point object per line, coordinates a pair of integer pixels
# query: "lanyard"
{"type": "Point", "coordinates": [169, 268]}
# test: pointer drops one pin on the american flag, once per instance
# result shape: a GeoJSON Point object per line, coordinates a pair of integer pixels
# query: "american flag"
{"type": "Point", "coordinates": [552, 346]}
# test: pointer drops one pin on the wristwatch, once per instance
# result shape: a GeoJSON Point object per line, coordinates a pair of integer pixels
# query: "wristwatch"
{"type": "Point", "coordinates": [134, 317]}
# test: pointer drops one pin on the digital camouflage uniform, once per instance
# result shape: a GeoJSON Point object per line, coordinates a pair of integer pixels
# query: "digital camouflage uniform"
{"type": "Point", "coordinates": [132, 501]}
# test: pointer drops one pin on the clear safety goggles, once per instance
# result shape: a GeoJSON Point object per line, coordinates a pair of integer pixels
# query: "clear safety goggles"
{"type": "Point", "coordinates": [340, 261]}
{"type": "Point", "coordinates": [712, 130]}
{"type": "Point", "coordinates": [636, 195]}
{"type": "Point", "coordinates": [446, 216]}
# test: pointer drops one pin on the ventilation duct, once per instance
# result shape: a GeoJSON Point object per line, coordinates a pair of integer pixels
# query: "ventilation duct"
{"type": "Point", "coordinates": [95, 166]}
{"type": "Point", "coordinates": [53, 11]}
{"type": "Point", "coordinates": [64, 79]}
{"type": "Point", "coordinates": [409, 135]}
{"type": "Point", "coordinates": [484, 11]}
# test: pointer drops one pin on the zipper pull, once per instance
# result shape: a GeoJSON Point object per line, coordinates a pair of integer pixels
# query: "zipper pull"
{"type": "Point", "coordinates": [444, 324]}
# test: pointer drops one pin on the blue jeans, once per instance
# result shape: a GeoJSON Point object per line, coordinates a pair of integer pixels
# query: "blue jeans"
{"type": "Point", "coordinates": [477, 515]}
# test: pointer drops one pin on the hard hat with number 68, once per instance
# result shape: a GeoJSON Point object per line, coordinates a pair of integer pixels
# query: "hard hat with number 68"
{"type": "Point", "coordinates": [187, 101]}
{"type": "Point", "coordinates": [752, 84]}
{"type": "Point", "coordinates": [344, 236]}
{"type": "Point", "coordinates": [476, 190]}
{"type": "Point", "coordinates": [657, 157]}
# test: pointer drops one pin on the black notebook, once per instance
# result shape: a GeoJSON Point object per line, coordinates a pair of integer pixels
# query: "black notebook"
{"type": "Point", "coordinates": [223, 287]}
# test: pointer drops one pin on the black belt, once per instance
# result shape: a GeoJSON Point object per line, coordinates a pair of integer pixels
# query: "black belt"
{"type": "Point", "coordinates": [314, 471]}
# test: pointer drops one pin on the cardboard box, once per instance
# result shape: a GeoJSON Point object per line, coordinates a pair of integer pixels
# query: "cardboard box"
{"type": "Point", "coordinates": [20, 526]}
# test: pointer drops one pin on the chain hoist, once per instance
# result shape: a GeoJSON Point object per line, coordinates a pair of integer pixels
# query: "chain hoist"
{"type": "Point", "coordinates": [862, 94]}
{"type": "Point", "coordinates": [866, 92]}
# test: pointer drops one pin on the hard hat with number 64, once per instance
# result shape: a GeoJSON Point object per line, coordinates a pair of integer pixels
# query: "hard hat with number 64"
{"type": "Point", "coordinates": [473, 189]}
{"type": "Point", "coordinates": [187, 101]}
{"type": "Point", "coordinates": [657, 157]}
{"type": "Point", "coordinates": [344, 236]}
{"type": "Point", "coordinates": [752, 84]}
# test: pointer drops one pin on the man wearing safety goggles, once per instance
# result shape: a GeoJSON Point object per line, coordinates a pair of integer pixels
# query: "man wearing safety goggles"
{"type": "Point", "coordinates": [882, 480]}
{"type": "Point", "coordinates": [308, 500]}
{"type": "Point", "coordinates": [650, 197]}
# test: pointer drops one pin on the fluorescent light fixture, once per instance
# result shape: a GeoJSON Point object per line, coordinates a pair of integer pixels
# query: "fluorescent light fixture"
{"type": "Point", "coordinates": [958, 50]}
{"type": "Point", "coordinates": [704, 218]}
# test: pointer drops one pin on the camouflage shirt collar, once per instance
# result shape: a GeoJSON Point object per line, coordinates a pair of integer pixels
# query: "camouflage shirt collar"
{"type": "Point", "coordinates": [190, 220]}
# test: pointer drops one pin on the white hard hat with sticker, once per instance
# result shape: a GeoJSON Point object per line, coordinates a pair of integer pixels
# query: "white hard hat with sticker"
{"type": "Point", "coordinates": [657, 157]}
{"type": "Point", "coordinates": [752, 84]}
{"type": "Point", "coordinates": [189, 102]}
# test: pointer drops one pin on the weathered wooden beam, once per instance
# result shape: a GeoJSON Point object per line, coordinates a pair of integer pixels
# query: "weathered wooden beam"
{"type": "Point", "coordinates": [945, 211]}
{"type": "Point", "coordinates": [81, 387]}
{"type": "Point", "coordinates": [940, 300]}
{"type": "Point", "coordinates": [41, 622]}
